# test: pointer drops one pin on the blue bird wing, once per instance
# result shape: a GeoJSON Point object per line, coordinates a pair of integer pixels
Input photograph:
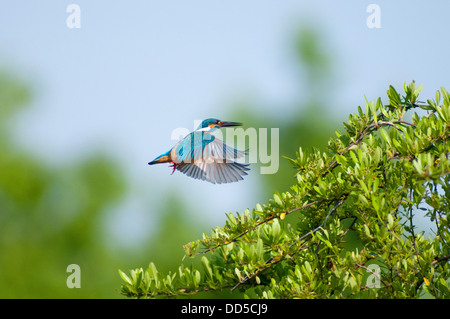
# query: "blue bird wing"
{"type": "Point", "coordinates": [202, 156]}
{"type": "Point", "coordinates": [216, 173]}
{"type": "Point", "coordinates": [205, 146]}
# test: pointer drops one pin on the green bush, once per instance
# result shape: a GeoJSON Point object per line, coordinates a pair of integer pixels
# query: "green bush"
{"type": "Point", "coordinates": [347, 228]}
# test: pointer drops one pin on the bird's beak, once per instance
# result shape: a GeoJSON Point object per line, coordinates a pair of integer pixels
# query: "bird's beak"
{"type": "Point", "coordinates": [226, 124]}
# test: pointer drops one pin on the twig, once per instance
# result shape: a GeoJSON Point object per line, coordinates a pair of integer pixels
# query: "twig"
{"type": "Point", "coordinates": [440, 259]}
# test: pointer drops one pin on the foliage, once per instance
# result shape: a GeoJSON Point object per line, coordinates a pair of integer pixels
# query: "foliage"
{"type": "Point", "coordinates": [356, 208]}
{"type": "Point", "coordinates": [50, 215]}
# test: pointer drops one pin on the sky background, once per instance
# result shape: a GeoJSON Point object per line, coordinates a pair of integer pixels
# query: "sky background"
{"type": "Point", "coordinates": [137, 70]}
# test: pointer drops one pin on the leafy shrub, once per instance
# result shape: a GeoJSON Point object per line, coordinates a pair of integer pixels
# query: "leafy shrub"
{"type": "Point", "coordinates": [348, 227]}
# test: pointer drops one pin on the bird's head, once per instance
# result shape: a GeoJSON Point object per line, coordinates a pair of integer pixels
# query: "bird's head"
{"type": "Point", "coordinates": [213, 124]}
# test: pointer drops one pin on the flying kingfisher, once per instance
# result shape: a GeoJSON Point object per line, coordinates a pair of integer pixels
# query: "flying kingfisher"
{"type": "Point", "coordinates": [201, 155]}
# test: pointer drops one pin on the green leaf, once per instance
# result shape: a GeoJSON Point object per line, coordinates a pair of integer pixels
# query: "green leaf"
{"type": "Point", "coordinates": [390, 220]}
{"type": "Point", "coordinates": [276, 229]}
{"type": "Point", "coordinates": [367, 231]}
{"type": "Point", "coordinates": [207, 267]}
{"type": "Point", "coordinates": [394, 97]}
{"type": "Point", "coordinates": [259, 208]}
{"type": "Point", "coordinates": [238, 273]}
{"type": "Point", "coordinates": [196, 278]}
{"type": "Point", "coordinates": [438, 97]}
{"type": "Point", "coordinates": [441, 113]}
{"type": "Point", "coordinates": [260, 250]}
{"type": "Point", "coordinates": [325, 241]}
{"type": "Point", "coordinates": [277, 199]}
{"type": "Point", "coordinates": [418, 166]}
{"type": "Point", "coordinates": [125, 277]}
{"type": "Point", "coordinates": [307, 268]}
{"type": "Point", "coordinates": [363, 199]}
{"type": "Point", "coordinates": [364, 187]}
{"type": "Point", "coordinates": [353, 156]}
{"type": "Point", "coordinates": [386, 137]}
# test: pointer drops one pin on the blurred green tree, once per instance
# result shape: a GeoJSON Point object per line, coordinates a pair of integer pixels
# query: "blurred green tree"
{"type": "Point", "coordinates": [53, 216]}
{"type": "Point", "coordinates": [49, 216]}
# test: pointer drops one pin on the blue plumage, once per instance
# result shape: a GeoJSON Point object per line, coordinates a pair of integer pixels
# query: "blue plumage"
{"type": "Point", "coordinates": [201, 155]}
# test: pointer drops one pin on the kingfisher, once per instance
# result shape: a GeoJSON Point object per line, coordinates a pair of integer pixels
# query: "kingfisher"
{"type": "Point", "coordinates": [201, 155]}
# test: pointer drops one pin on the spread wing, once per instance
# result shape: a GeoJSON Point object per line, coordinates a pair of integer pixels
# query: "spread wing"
{"type": "Point", "coordinates": [205, 146]}
{"type": "Point", "coordinates": [216, 173]}
{"type": "Point", "coordinates": [202, 156]}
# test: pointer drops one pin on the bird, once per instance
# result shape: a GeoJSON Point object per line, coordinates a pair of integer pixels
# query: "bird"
{"type": "Point", "coordinates": [203, 156]}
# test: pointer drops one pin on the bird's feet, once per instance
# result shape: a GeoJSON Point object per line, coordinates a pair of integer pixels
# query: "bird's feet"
{"type": "Point", "coordinates": [174, 166]}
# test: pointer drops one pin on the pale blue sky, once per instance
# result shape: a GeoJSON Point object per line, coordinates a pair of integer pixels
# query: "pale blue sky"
{"type": "Point", "coordinates": [138, 69]}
